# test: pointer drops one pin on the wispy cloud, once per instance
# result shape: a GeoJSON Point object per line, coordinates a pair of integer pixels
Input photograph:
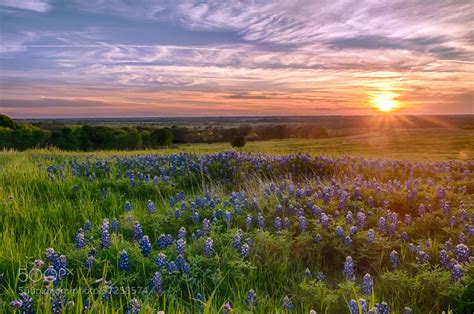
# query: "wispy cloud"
{"type": "Point", "coordinates": [31, 5]}
{"type": "Point", "coordinates": [234, 56]}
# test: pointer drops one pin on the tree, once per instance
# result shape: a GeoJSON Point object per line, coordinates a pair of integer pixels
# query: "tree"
{"type": "Point", "coordinates": [7, 122]}
{"type": "Point", "coordinates": [238, 141]}
{"type": "Point", "coordinates": [162, 137]}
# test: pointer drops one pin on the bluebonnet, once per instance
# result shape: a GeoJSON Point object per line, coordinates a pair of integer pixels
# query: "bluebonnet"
{"type": "Point", "coordinates": [87, 225]}
{"type": "Point", "coordinates": [80, 239]}
{"type": "Point", "coordinates": [160, 260]}
{"type": "Point", "coordinates": [237, 239]}
{"type": "Point", "coordinates": [260, 221]}
{"type": "Point", "coordinates": [361, 219]}
{"type": "Point", "coordinates": [324, 221]}
{"type": "Point", "coordinates": [382, 308]}
{"type": "Point", "coordinates": [227, 307]}
{"type": "Point", "coordinates": [394, 258]}
{"type": "Point", "coordinates": [182, 233]}
{"type": "Point", "coordinates": [24, 304]}
{"type": "Point", "coordinates": [57, 301]}
{"type": "Point", "coordinates": [209, 248]}
{"type": "Point", "coordinates": [115, 225]}
{"type": "Point", "coordinates": [339, 232]}
{"type": "Point", "coordinates": [195, 217]}
{"type": "Point", "coordinates": [249, 222]}
{"type": "Point", "coordinates": [443, 258]}
{"type": "Point", "coordinates": [172, 267]}
{"type": "Point", "coordinates": [320, 276]}
{"type": "Point", "coordinates": [137, 231]}
{"type": "Point", "coordinates": [318, 238]}
{"type": "Point", "coordinates": [150, 206]}
{"type": "Point", "coordinates": [302, 223]}
{"type": "Point", "coordinates": [421, 210]}
{"type": "Point", "coordinates": [123, 262]}
{"type": "Point", "coordinates": [381, 224]}
{"type": "Point", "coordinates": [353, 306]}
{"type": "Point", "coordinates": [49, 254]}
{"type": "Point", "coordinates": [286, 303]}
{"type": "Point", "coordinates": [349, 268]}
{"type": "Point", "coordinates": [134, 307]}
{"type": "Point", "coordinates": [457, 271]}
{"type": "Point", "coordinates": [164, 241]}
{"type": "Point", "coordinates": [308, 273]}
{"type": "Point", "coordinates": [228, 218]}
{"type": "Point", "coordinates": [462, 253]}
{"type": "Point", "coordinates": [180, 246]}
{"type": "Point", "coordinates": [105, 236]}
{"type": "Point", "coordinates": [407, 310]}
{"type": "Point", "coordinates": [251, 299]}
{"type": "Point", "coordinates": [370, 236]}
{"type": "Point", "coordinates": [353, 230]}
{"type": "Point", "coordinates": [277, 224]}
{"type": "Point", "coordinates": [286, 223]}
{"type": "Point", "coordinates": [177, 213]}
{"type": "Point", "coordinates": [89, 263]}
{"type": "Point", "coordinates": [206, 226]}
{"type": "Point", "coordinates": [347, 241]}
{"type": "Point", "coordinates": [182, 264]}
{"type": "Point", "coordinates": [245, 250]}
{"type": "Point", "coordinates": [128, 206]}
{"type": "Point", "coordinates": [156, 284]}
{"type": "Point", "coordinates": [367, 284]}
{"type": "Point", "coordinates": [145, 245]}
{"type": "Point", "coordinates": [349, 218]}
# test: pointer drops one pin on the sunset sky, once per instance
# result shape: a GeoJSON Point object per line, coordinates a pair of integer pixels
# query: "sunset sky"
{"type": "Point", "coordinates": [124, 58]}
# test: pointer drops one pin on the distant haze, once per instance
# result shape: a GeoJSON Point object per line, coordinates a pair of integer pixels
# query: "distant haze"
{"type": "Point", "coordinates": [147, 58]}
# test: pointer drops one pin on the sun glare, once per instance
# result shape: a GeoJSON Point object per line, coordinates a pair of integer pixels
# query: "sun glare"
{"type": "Point", "coordinates": [385, 102]}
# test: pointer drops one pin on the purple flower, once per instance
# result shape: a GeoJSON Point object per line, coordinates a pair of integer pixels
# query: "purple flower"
{"type": "Point", "coordinates": [339, 232]}
{"type": "Point", "coordinates": [367, 284]}
{"type": "Point", "coordinates": [128, 206]}
{"type": "Point", "coordinates": [457, 271]}
{"type": "Point", "coordinates": [370, 236]}
{"type": "Point", "coordinates": [145, 245]}
{"type": "Point", "coordinates": [180, 246]}
{"type": "Point", "coordinates": [353, 306]}
{"type": "Point", "coordinates": [302, 223]}
{"type": "Point", "coordinates": [318, 238]}
{"type": "Point", "coordinates": [237, 239]}
{"type": "Point", "coordinates": [244, 250]}
{"type": "Point", "coordinates": [150, 206]}
{"type": "Point", "coordinates": [227, 307]}
{"type": "Point", "coordinates": [349, 268]}
{"type": "Point", "coordinates": [462, 253]}
{"type": "Point", "coordinates": [137, 231]}
{"type": "Point", "coordinates": [251, 299]}
{"type": "Point", "coordinates": [394, 258]}
{"type": "Point", "coordinates": [209, 248]}
{"type": "Point", "coordinates": [80, 239]}
{"type": "Point", "coordinates": [277, 224]}
{"type": "Point", "coordinates": [123, 261]}
{"type": "Point", "coordinates": [260, 221]}
{"type": "Point", "coordinates": [160, 260]}
{"type": "Point", "coordinates": [134, 307]}
{"type": "Point", "coordinates": [155, 284]}
{"type": "Point", "coordinates": [287, 304]}
{"type": "Point", "coordinates": [324, 221]}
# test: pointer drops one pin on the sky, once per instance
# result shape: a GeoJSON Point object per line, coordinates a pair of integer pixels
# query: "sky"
{"type": "Point", "coordinates": [144, 58]}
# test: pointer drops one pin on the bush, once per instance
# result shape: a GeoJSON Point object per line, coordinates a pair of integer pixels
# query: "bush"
{"type": "Point", "coordinates": [238, 141]}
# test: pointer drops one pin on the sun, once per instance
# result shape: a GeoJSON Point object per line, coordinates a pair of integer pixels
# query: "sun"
{"type": "Point", "coordinates": [385, 102]}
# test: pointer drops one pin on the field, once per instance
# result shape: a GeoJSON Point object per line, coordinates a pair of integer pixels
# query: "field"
{"type": "Point", "coordinates": [378, 221]}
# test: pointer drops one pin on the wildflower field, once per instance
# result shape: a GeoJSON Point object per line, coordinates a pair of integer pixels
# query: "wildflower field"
{"type": "Point", "coordinates": [234, 232]}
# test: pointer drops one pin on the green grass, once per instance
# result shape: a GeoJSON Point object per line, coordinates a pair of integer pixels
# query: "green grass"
{"type": "Point", "coordinates": [36, 213]}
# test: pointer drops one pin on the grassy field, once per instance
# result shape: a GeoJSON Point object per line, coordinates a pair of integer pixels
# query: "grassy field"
{"type": "Point", "coordinates": [41, 208]}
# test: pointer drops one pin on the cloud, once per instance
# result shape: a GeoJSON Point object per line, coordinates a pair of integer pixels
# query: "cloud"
{"type": "Point", "coordinates": [30, 5]}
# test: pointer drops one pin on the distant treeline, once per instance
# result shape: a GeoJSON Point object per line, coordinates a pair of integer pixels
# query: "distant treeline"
{"type": "Point", "coordinates": [93, 137]}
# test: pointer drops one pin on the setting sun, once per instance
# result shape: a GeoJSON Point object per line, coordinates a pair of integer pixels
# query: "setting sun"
{"type": "Point", "coordinates": [385, 102]}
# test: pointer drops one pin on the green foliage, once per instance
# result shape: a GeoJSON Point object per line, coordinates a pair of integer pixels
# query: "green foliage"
{"type": "Point", "coordinates": [7, 122]}
{"type": "Point", "coordinates": [161, 137]}
{"type": "Point", "coordinates": [238, 141]}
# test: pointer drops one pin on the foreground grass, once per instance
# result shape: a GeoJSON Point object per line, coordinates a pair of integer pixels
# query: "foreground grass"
{"type": "Point", "coordinates": [37, 212]}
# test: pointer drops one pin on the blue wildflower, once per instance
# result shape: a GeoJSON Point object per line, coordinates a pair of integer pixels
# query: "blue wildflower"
{"type": "Point", "coordinates": [349, 268]}
{"type": "Point", "coordinates": [145, 245]}
{"type": "Point", "coordinates": [123, 261]}
{"type": "Point", "coordinates": [287, 304]}
{"type": "Point", "coordinates": [155, 284]}
{"type": "Point", "coordinates": [367, 284]}
{"type": "Point", "coordinates": [209, 248]}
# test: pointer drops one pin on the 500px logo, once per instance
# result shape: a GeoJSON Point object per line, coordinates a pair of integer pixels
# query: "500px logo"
{"type": "Point", "coordinates": [36, 275]}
